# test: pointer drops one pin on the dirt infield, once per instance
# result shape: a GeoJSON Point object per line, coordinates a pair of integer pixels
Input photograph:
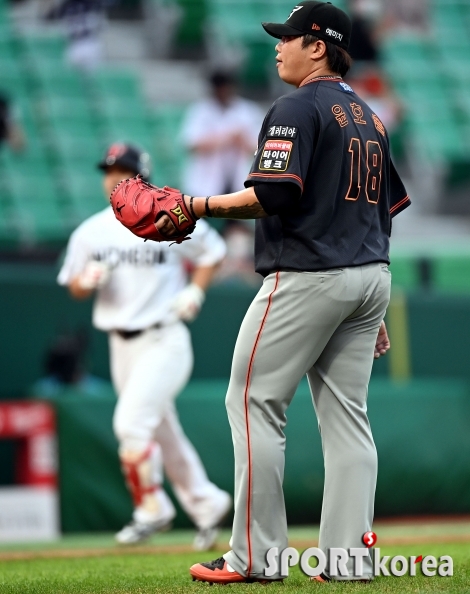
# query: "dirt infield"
{"type": "Point", "coordinates": [80, 553]}
{"type": "Point", "coordinates": [90, 552]}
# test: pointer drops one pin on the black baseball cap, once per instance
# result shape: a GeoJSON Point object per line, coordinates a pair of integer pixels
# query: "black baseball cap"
{"type": "Point", "coordinates": [127, 156]}
{"type": "Point", "coordinates": [222, 78]}
{"type": "Point", "coordinates": [321, 19]}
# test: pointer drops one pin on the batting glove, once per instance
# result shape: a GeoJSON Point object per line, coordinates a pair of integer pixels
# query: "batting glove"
{"type": "Point", "coordinates": [188, 303]}
{"type": "Point", "coordinates": [95, 275]}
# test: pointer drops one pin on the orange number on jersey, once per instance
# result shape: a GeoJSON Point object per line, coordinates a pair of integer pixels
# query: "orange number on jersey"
{"type": "Point", "coordinates": [374, 170]}
{"type": "Point", "coordinates": [355, 183]}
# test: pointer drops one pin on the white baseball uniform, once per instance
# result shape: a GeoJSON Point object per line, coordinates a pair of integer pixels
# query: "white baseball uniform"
{"type": "Point", "coordinates": [151, 355]}
{"type": "Point", "coordinates": [223, 170]}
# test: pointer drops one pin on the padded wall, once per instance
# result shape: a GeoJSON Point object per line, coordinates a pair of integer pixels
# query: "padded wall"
{"type": "Point", "coordinates": [420, 428]}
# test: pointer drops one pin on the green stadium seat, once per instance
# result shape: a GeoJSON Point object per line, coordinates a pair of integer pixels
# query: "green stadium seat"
{"type": "Point", "coordinates": [238, 22]}
{"type": "Point", "coordinates": [75, 109]}
{"type": "Point", "coordinates": [408, 47]}
{"type": "Point", "coordinates": [457, 71]}
{"type": "Point", "coordinates": [62, 82]}
{"type": "Point", "coordinates": [236, 19]}
{"type": "Point", "coordinates": [461, 97]}
{"type": "Point", "coordinates": [26, 113]}
{"type": "Point", "coordinates": [128, 131]}
{"type": "Point", "coordinates": [14, 84]}
{"type": "Point", "coordinates": [33, 159]}
{"type": "Point", "coordinates": [36, 207]}
{"type": "Point", "coordinates": [402, 71]}
{"type": "Point", "coordinates": [8, 65]}
{"type": "Point", "coordinates": [111, 83]}
{"type": "Point", "coordinates": [85, 192]}
{"type": "Point", "coordinates": [122, 108]}
{"type": "Point", "coordinates": [43, 48]}
{"type": "Point", "coordinates": [71, 127]}
{"type": "Point", "coordinates": [5, 25]}
{"type": "Point", "coordinates": [190, 30]}
{"type": "Point", "coordinates": [437, 141]}
{"type": "Point", "coordinates": [80, 150]}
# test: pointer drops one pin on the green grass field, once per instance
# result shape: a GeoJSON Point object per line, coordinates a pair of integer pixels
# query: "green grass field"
{"type": "Point", "coordinates": [94, 565]}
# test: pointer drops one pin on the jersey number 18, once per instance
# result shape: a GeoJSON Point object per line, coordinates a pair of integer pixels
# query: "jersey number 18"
{"type": "Point", "coordinates": [373, 163]}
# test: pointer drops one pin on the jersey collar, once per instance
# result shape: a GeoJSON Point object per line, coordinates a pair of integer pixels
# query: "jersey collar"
{"type": "Point", "coordinates": [331, 78]}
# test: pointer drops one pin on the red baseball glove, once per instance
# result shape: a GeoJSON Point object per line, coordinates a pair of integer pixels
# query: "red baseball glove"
{"type": "Point", "coordinates": [138, 205]}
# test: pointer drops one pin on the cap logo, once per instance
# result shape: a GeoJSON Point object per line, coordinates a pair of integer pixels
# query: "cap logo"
{"type": "Point", "coordinates": [334, 34]}
{"type": "Point", "coordinates": [315, 27]}
{"type": "Point", "coordinates": [294, 10]}
{"type": "Point", "coordinates": [116, 150]}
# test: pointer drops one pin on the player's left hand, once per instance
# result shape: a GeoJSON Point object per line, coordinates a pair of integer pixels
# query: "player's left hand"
{"type": "Point", "coordinates": [188, 303]}
{"type": "Point", "coordinates": [382, 344]}
{"type": "Point", "coordinates": [160, 214]}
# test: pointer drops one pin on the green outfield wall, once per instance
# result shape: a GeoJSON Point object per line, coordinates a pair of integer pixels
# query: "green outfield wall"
{"type": "Point", "coordinates": [421, 429]}
{"type": "Point", "coordinates": [421, 423]}
{"type": "Point", "coordinates": [433, 330]}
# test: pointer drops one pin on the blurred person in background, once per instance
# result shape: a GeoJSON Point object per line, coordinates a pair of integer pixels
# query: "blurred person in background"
{"type": "Point", "coordinates": [374, 18]}
{"type": "Point", "coordinates": [65, 370]}
{"type": "Point", "coordinates": [220, 134]}
{"type": "Point", "coordinates": [84, 21]}
{"type": "Point", "coordinates": [365, 17]}
{"type": "Point", "coordinates": [10, 130]}
{"type": "Point", "coordinates": [407, 16]}
{"type": "Point", "coordinates": [142, 297]}
{"type": "Point", "coordinates": [368, 20]}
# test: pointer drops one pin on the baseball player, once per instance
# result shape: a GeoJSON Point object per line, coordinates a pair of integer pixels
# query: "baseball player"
{"type": "Point", "coordinates": [141, 298]}
{"type": "Point", "coordinates": [323, 190]}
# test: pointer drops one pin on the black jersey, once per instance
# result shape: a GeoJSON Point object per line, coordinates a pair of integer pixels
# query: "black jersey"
{"type": "Point", "coordinates": [327, 140]}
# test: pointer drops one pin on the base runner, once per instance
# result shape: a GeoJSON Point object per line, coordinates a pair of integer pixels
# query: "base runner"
{"type": "Point", "coordinates": [141, 298]}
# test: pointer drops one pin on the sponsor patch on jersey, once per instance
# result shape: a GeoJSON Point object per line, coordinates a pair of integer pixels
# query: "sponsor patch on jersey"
{"type": "Point", "coordinates": [346, 87]}
{"type": "Point", "coordinates": [282, 132]}
{"type": "Point", "coordinates": [275, 155]}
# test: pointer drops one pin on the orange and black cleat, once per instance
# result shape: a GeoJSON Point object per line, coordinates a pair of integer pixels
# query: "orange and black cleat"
{"type": "Point", "coordinates": [320, 578]}
{"type": "Point", "coordinates": [220, 572]}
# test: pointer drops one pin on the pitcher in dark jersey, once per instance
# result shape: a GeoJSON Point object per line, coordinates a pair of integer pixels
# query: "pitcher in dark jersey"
{"type": "Point", "coordinates": [324, 190]}
{"type": "Point", "coordinates": [325, 143]}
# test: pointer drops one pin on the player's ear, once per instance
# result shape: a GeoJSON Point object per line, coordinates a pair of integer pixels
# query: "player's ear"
{"type": "Point", "coordinates": [317, 50]}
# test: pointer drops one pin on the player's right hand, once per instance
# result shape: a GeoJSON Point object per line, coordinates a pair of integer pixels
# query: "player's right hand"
{"type": "Point", "coordinates": [188, 302]}
{"type": "Point", "coordinates": [95, 275]}
{"type": "Point", "coordinates": [382, 343]}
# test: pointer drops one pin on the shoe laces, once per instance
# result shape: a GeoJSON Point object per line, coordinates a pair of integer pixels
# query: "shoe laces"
{"type": "Point", "coordinates": [216, 564]}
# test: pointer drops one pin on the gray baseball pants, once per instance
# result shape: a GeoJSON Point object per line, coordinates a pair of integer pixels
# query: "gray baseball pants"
{"type": "Point", "coordinates": [323, 324]}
